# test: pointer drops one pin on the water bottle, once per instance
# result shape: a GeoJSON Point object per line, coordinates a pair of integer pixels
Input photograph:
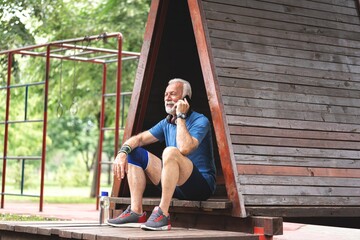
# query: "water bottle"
{"type": "Point", "coordinates": [104, 207]}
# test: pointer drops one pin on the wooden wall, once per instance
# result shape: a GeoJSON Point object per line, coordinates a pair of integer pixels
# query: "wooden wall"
{"type": "Point", "coordinates": [288, 71]}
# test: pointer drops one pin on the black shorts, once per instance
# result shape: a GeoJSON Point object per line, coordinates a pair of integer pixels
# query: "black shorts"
{"type": "Point", "coordinates": [195, 188]}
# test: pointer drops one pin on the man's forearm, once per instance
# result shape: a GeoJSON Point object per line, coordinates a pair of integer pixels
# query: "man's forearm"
{"type": "Point", "coordinates": [184, 140]}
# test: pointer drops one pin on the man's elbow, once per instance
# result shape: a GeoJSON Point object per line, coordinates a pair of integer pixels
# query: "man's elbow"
{"type": "Point", "coordinates": [186, 150]}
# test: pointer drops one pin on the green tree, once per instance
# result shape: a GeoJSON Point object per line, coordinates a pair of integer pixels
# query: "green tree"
{"type": "Point", "coordinates": [75, 86]}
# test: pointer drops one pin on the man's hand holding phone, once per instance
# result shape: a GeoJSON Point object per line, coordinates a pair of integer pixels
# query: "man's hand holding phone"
{"type": "Point", "coordinates": [182, 106]}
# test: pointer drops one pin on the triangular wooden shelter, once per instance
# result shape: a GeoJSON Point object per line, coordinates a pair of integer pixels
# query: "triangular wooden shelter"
{"type": "Point", "coordinates": [280, 82]}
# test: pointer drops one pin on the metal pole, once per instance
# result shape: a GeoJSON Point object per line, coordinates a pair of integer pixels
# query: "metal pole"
{"type": "Point", "coordinates": [22, 176]}
{"type": "Point", "coordinates": [43, 154]}
{"type": "Point", "coordinates": [118, 93]}
{"type": "Point", "coordinates": [122, 110]}
{"type": "Point", "coordinates": [10, 58]}
{"type": "Point", "coordinates": [101, 137]}
{"type": "Point", "coordinates": [26, 101]}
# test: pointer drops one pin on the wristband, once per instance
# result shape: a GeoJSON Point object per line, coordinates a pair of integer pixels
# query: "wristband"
{"type": "Point", "coordinates": [125, 149]}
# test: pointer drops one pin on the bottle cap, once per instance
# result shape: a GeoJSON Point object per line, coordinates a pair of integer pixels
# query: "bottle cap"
{"type": "Point", "coordinates": [104, 193]}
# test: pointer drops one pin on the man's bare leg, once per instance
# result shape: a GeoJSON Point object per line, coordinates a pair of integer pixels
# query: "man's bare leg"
{"type": "Point", "coordinates": [137, 181]}
{"type": "Point", "coordinates": [176, 170]}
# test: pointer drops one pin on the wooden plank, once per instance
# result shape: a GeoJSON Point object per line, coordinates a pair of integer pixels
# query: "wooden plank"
{"type": "Point", "coordinates": [318, 201]}
{"type": "Point", "coordinates": [237, 14]}
{"type": "Point", "coordinates": [317, 112]}
{"type": "Point", "coordinates": [107, 232]}
{"type": "Point", "coordinates": [292, 97]}
{"type": "Point", "coordinates": [287, 7]}
{"type": "Point", "coordinates": [209, 204]}
{"type": "Point", "coordinates": [307, 5]}
{"type": "Point", "coordinates": [325, 86]}
{"type": "Point", "coordinates": [274, 109]}
{"type": "Point", "coordinates": [292, 124]}
{"type": "Point", "coordinates": [216, 204]}
{"type": "Point", "coordinates": [286, 61]}
{"type": "Point", "coordinates": [289, 61]}
{"type": "Point", "coordinates": [273, 31]}
{"type": "Point", "coordinates": [293, 133]}
{"type": "Point", "coordinates": [297, 152]}
{"type": "Point", "coordinates": [175, 233]}
{"type": "Point", "coordinates": [300, 161]}
{"type": "Point", "coordinates": [290, 142]}
{"type": "Point", "coordinates": [302, 191]}
{"type": "Point", "coordinates": [298, 181]}
{"type": "Point", "coordinates": [236, 66]}
{"type": "Point", "coordinates": [296, 171]}
{"type": "Point", "coordinates": [240, 46]}
{"type": "Point", "coordinates": [279, 38]}
{"type": "Point", "coordinates": [305, 211]}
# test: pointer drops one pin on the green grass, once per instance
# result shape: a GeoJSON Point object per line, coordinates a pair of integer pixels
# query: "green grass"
{"type": "Point", "coordinates": [15, 217]}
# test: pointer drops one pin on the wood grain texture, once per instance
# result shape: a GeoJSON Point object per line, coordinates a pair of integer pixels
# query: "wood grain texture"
{"type": "Point", "coordinates": [289, 78]}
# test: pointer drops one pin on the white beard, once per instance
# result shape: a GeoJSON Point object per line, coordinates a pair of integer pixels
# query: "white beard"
{"type": "Point", "coordinates": [170, 110]}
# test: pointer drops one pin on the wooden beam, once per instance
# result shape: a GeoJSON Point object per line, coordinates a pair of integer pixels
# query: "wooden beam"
{"type": "Point", "coordinates": [216, 106]}
{"type": "Point", "coordinates": [143, 80]}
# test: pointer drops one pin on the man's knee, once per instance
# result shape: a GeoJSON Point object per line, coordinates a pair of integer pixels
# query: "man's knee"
{"type": "Point", "coordinates": [170, 153]}
{"type": "Point", "coordinates": [139, 157]}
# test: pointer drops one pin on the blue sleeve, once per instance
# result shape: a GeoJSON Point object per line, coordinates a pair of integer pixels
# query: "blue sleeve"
{"type": "Point", "coordinates": [199, 128]}
{"type": "Point", "coordinates": [158, 130]}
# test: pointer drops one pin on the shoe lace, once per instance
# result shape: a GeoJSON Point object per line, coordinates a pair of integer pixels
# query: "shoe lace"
{"type": "Point", "coordinates": [127, 211]}
{"type": "Point", "coordinates": [155, 214]}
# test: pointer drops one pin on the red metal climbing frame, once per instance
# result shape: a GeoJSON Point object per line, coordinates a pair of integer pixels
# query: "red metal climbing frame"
{"type": "Point", "coordinates": [80, 53]}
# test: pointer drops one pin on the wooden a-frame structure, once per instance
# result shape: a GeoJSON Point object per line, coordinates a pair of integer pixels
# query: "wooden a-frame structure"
{"type": "Point", "coordinates": [280, 82]}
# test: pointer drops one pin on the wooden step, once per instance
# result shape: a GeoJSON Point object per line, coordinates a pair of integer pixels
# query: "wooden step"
{"type": "Point", "coordinates": [210, 204]}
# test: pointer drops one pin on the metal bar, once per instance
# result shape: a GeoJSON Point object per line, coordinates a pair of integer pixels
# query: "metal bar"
{"type": "Point", "coordinates": [41, 53]}
{"type": "Point", "coordinates": [103, 56]}
{"type": "Point", "coordinates": [17, 194]}
{"type": "Point", "coordinates": [87, 38]}
{"type": "Point", "coordinates": [58, 56]}
{"type": "Point", "coordinates": [118, 94]}
{"type": "Point", "coordinates": [43, 153]}
{"type": "Point", "coordinates": [101, 135]}
{"type": "Point", "coordinates": [6, 133]}
{"type": "Point", "coordinates": [26, 102]}
{"type": "Point", "coordinates": [14, 51]}
{"type": "Point", "coordinates": [22, 85]}
{"type": "Point", "coordinates": [110, 95]}
{"type": "Point", "coordinates": [114, 94]}
{"type": "Point", "coordinates": [23, 157]}
{"type": "Point", "coordinates": [123, 59]}
{"type": "Point", "coordinates": [122, 110]}
{"type": "Point", "coordinates": [103, 50]}
{"type": "Point", "coordinates": [74, 40]}
{"type": "Point", "coordinates": [22, 176]}
{"type": "Point", "coordinates": [114, 60]}
{"type": "Point", "coordinates": [22, 121]}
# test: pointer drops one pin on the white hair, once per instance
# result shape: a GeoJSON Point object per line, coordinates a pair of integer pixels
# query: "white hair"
{"type": "Point", "coordinates": [186, 86]}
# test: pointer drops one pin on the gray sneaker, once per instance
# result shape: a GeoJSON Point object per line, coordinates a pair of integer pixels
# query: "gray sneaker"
{"type": "Point", "coordinates": [157, 221]}
{"type": "Point", "coordinates": [128, 218]}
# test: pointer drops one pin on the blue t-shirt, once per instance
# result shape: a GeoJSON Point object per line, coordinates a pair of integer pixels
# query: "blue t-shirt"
{"type": "Point", "coordinates": [199, 127]}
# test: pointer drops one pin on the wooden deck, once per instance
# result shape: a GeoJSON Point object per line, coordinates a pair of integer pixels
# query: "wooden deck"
{"type": "Point", "coordinates": [95, 231]}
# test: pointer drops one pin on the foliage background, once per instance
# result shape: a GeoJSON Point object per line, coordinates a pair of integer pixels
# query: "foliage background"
{"type": "Point", "coordinates": [75, 88]}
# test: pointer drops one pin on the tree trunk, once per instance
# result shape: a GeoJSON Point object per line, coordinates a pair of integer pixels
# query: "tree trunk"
{"type": "Point", "coordinates": [95, 171]}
